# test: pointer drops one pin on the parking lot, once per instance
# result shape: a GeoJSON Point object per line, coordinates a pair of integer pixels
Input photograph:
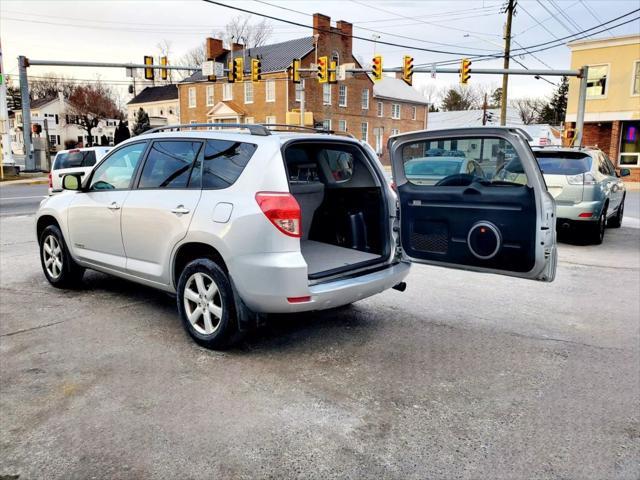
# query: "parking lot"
{"type": "Point", "coordinates": [464, 375]}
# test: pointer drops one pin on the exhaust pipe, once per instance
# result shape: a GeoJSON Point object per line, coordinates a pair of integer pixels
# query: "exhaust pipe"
{"type": "Point", "coordinates": [566, 225]}
{"type": "Point", "coordinates": [401, 287]}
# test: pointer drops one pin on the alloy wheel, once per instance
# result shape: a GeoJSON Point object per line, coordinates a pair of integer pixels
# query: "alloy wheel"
{"type": "Point", "coordinates": [602, 225]}
{"type": "Point", "coordinates": [203, 303]}
{"type": "Point", "coordinates": [52, 255]}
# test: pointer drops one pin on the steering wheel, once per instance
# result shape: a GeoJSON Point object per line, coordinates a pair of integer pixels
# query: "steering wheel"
{"type": "Point", "coordinates": [456, 180]}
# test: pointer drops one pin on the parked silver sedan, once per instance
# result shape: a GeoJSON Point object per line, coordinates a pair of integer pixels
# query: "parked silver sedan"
{"type": "Point", "coordinates": [589, 193]}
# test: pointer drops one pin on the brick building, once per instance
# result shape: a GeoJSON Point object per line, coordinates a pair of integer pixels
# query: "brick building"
{"type": "Point", "coordinates": [370, 112]}
{"type": "Point", "coordinates": [612, 113]}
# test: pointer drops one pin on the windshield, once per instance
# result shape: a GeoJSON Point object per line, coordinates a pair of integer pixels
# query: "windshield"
{"type": "Point", "coordinates": [563, 163]}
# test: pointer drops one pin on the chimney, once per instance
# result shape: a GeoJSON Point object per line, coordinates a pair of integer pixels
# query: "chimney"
{"type": "Point", "coordinates": [214, 48]}
{"type": "Point", "coordinates": [347, 30]}
{"type": "Point", "coordinates": [321, 24]}
{"type": "Point", "coordinates": [237, 46]}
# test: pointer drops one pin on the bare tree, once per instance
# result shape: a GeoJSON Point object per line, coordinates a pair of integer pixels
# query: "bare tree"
{"type": "Point", "coordinates": [431, 93]}
{"type": "Point", "coordinates": [164, 48]}
{"type": "Point", "coordinates": [194, 57]}
{"type": "Point", "coordinates": [528, 109]}
{"type": "Point", "coordinates": [88, 104]}
{"type": "Point", "coordinates": [241, 30]}
{"type": "Point", "coordinates": [49, 84]}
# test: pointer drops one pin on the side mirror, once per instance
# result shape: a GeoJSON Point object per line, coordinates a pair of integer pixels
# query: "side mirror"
{"type": "Point", "coordinates": [625, 172]}
{"type": "Point", "coordinates": [71, 182]}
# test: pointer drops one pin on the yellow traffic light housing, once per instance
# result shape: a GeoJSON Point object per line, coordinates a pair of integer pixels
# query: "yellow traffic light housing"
{"type": "Point", "coordinates": [377, 68]}
{"type": "Point", "coordinates": [323, 70]}
{"type": "Point", "coordinates": [465, 71]}
{"type": "Point", "coordinates": [238, 69]}
{"type": "Point", "coordinates": [407, 69]}
{"type": "Point", "coordinates": [294, 71]}
{"type": "Point", "coordinates": [230, 75]}
{"type": "Point", "coordinates": [333, 67]}
{"type": "Point", "coordinates": [164, 73]}
{"type": "Point", "coordinates": [148, 72]}
{"type": "Point", "coordinates": [256, 70]}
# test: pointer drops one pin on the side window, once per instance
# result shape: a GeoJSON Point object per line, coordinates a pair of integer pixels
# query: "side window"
{"type": "Point", "coordinates": [222, 163]}
{"type": "Point", "coordinates": [116, 171]}
{"type": "Point", "coordinates": [69, 160]}
{"type": "Point", "coordinates": [340, 164]}
{"type": "Point", "coordinates": [602, 165]}
{"type": "Point", "coordinates": [461, 161]}
{"type": "Point", "coordinates": [169, 164]}
{"type": "Point", "coordinates": [89, 159]}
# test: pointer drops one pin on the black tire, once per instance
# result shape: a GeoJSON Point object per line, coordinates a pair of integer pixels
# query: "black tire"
{"type": "Point", "coordinates": [225, 331]}
{"type": "Point", "coordinates": [69, 273]}
{"type": "Point", "coordinates": [616, 220]}
{"type": "Point", "coordinates": [595, 232]}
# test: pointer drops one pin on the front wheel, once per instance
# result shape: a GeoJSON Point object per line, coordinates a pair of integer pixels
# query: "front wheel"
{"type": "Point", "coordinates": [57, 264]}
{"type": "Point", "coordinates": [596, 230]}
{"type": "Point", "coordinates": [206, 304]}
{"type": "Point", "coordinates": [616, 220]}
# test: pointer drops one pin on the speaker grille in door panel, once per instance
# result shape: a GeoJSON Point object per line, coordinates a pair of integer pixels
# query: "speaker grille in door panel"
{"type": "Point", "coordinates": [430, 237]}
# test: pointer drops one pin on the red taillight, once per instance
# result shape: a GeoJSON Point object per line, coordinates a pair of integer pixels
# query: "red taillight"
{"type": "Point", "coordinates": [586, 215]}
{"type": "Point", "coordinates": [50, 180]}
{"type": "Point", "coordinates": [282, 210]}
{"type": "Point", "coordinates": [298, 299]}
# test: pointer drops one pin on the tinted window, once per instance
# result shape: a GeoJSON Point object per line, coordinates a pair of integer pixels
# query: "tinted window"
{"type": "Point", "coordinates": [117, 170]}
{"type": "Point", "coordinates": [563, 163]}
{"type": "Point", "coordinates": [169, 164]}
{"type": "Point", "coordinates": [223, 162]}
{"type": "Point", "coordinates": [340, 164]}
{"type": "Point", "coordinates": [75, 159]}
{"type": "Point", "coordinates": [460, 161]}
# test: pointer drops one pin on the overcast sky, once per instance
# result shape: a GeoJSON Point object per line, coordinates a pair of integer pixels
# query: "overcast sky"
{"type": "Point", "coordinates": [124, 31]}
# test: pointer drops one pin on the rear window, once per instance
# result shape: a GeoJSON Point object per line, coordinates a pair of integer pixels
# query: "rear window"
{"type": "Point", "coordinates": [432, 166]}
{"type": "Point", "coordinates": [222, 163]}
{"type": "Point", "coordinates": [75, 159]}
{"type": "Point", "coordinates": [563, 163]}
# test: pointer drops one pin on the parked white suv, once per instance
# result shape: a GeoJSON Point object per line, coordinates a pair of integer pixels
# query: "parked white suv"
{"type": "Point", "coordinates": [76, 160]}
{"type": "Point", "coordinates": [243, 224]}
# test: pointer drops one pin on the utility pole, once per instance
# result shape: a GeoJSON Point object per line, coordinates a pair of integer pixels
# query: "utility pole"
{"type": "Point", "coordinates": [4, 120]}
{"type": "Point", "coordinates": [507, 53]}
{"type": "Point", "coordinates": [484, 111]}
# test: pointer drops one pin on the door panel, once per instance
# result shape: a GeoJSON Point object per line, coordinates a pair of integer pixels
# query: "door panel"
{"type": "Point", "coordinates": [94, 227]}
{"type": "Point", "coordinates": [497, 218]}
{"type": "Point", "coordinates": [151, 225]}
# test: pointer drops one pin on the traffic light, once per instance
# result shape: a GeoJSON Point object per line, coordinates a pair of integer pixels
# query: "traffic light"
{"type": "Point", "coordinates": [333, 66]}
{"type": "Point", "coordinates": [465, 71]}
{"type": "Point", "coordinates": [238, 69]}
{"type": "Point", "coordinates": [407, 69]}
{"type": "Point", "coordinates": [256, 70]}
{"type": "Point", "coordinates": [295, 71]}
{"type": "Point", "coordinates": [377, 67]}
{"type": "Point", "coordinates": [323, 70]}
{"type": "Point", "coordinates": [230, 75]}
{"type": "Point", "coordinates": [164, 72]}
{"type": "Point", "coordinates": [148, 72]}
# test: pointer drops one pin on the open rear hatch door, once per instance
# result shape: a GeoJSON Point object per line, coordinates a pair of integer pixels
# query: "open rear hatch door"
{"type": "Point", "coordinates": [489, 210]}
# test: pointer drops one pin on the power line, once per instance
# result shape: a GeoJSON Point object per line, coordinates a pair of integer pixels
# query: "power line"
{"type": "Point", "coordinates": [571, 21]}
{"type": "Point", "coordinates": [374, 31]}
{"type": "Point", "coordinates": [555, 17]}
{"type": "Point", "coordinates": [540, 23]}
{"type": "Point", "coordinates": [436, 14]}
{"type": "Point", "coordinates": [593, 14]}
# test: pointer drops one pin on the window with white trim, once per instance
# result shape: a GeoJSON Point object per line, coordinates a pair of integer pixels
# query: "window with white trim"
{"type": "Point", "coordinates": [630, 144]}
{"type": "Point", "coordinates": [227, 91]}
{"type": "Point", "coordinates": [209, 95]}
{"type": "Point", "coordinates": [597, 81]}
{"type": "Point", "coordinates": [192, 97]}
{"type": "Point", "coordinates": [365, 99]}
{"type": "Point", "coordinates": [414, 112]}
{"type": "Point", "coordinates": [326, 124]}
{"type": "Point", "coordinates": [395, 131]}
{"type": "Point", "coordinates": [326, 94]}
{"type": "Point", "coordinates": [249, 120]}
{"type": "Point", "coordinates": [270, 90]}
{"type": "Point", "coordinates": [342, 96]}
{"type": "Point", "coordinates": [364, 132]}
{"type": "Point", "coordinates": [342, 125]}
{"type": "Point", "coordinates": [395, 111]}
{"type": "Point", "coordinates": [635, 81]}
{"type": "Point", "coordinates": [270, 119]}
{"type": "Point", "coordinates": [380, 109]}
{"type": "Point", "coordinates": [248, 92]}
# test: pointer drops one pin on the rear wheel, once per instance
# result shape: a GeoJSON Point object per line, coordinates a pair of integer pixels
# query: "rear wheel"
{"type": "Point", "coordinates": [58, 266]}
{"type": "Point", "coordinates": [596, 230]}
{"type": "Point", "coordinates": [206, 304]}
{"type": "Point", "coordinates": [616, 220]}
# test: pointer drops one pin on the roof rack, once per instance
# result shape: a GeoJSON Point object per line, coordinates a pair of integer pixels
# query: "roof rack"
{"type": "Point", "coordinates": [254, 128]}
{"type": "Point", "coordinates": [284, 127]}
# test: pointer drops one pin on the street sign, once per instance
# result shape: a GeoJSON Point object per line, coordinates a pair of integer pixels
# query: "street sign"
{"type": "Point", "coordinates": [208, 68]}
{"type": "Point", "coordinates": [218, 69]}
{"type": "Point", "coordinates": [342, 73]}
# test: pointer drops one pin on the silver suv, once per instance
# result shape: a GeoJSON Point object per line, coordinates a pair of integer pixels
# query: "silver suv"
{"type": "Point", "coordinates": [589, 193]}
{"type": "Point", "coordinates": [239, 224]}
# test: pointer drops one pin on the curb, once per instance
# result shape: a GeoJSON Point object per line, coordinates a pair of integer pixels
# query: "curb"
{"type": "Point", "coordinates": [27, 181]}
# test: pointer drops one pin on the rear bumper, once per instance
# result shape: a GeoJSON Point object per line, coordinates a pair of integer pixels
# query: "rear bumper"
{"type": "Point", "coordinates": [572, 212]}
{"type": "Point", "coordinates": [264, 282]}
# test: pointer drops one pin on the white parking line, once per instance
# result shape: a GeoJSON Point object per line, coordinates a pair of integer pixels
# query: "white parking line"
{"type": "Point", "coordinates": [22, 198]}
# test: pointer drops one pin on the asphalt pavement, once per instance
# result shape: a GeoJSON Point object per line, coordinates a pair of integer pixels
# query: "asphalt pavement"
{"type": "Point", "coordinates": [464, 375]}
{"type": "Point", "coordinates": [21, 199]}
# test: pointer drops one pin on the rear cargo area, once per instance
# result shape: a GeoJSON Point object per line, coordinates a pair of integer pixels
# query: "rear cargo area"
{"type": "Point", "coordinates": [344, 221]}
